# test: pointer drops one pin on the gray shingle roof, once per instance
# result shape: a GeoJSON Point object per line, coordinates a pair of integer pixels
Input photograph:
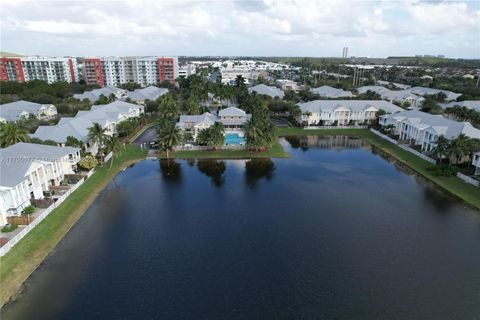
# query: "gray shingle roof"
{"type": "Point", "coordinates": [78, 126]}
{"type": "Point", "coordinates": [474, 105]}
{"type": "Point", "coordinates": [12, 111]}
{"type": "Point", "coordinates": [95, 94]}
{"type": "Point", "coordinates": [15, 160]}
{"type": "Point", "coordinates": [331, 92]}
{"type": "Point", "coordinates": [430, 91]}
{"type": "Point", "coordinates": [267, 90]}
{"type": "Point", "coordinates": [150, 93]}
{"type": "Point", "coordinates": [232, 112]}
{"type": "Point", "coordinates": [392, 95]}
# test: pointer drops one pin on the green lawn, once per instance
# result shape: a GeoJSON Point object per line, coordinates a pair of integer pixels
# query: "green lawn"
{"type": "Point", "coordinates": [27, 254]}
{"type": "Point", "coordinates": [454, 185]}
{"type": "Point", "coordinates": [276, 151]}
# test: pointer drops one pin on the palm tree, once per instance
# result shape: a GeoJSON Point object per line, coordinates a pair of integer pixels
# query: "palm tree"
{"type": "Point", "coordinates": [10, 134]}
{"type": "Point", "coordinates": [113, 145]}
{"type": "Point", "coordinates": [169, 136]}
{"type": "Point", "coordinates": [254, 134]}
{"type": "Point", "coordinates": [441, 150]}
{"type": "Point", "coordinates": [459, 148]}
{"type": "Point", "coordinates": [96, 134]}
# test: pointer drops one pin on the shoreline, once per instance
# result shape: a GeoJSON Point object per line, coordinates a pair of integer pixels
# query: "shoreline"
{"type": "Point", "coordinates": [25, 257]}
{"type": "Point", "coordinates": [453, 185]}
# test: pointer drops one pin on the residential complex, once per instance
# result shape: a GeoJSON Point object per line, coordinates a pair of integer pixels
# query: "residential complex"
{"type": "Point", "coordinates": [151, 93]}
{"type": "Point", "coordinates": [108, 116]}
{"type": "Point", "coordinates": [232, 118]}
{"type": "Point", "coordinates": [49, 69]}
{"type": "Point", "coordinates": [331, 92]}
{"type": "Point", "coordinates": [18, 110]}
{"type": "Point", "coordinates": [113, 71]}
{"type": "Point", "coordinates": [343, 112]}
{"type": "Point", "coordinates": [267, 90]}
{"type": "Point", "coordinates": [287, 85]}
{"type": "Point", "coordinates": [423, 129]}
{"type": "Point", "coordinates": [469, 104]}
{"type": "Point", "coordinates": [28, 170]}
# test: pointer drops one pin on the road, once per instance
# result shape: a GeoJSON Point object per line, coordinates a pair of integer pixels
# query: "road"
{"type": "Point", "coordinates": [148, 135]}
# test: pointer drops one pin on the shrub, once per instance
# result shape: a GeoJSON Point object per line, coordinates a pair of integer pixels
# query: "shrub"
{"type": "Point", "coordinates": [28, 210]}
{"type": "Point", "coordinates": [9, 227]}
{"type": "Point", "coordinates": [88, 162]}
{"type": "Point", "coordinates": [442, 170]}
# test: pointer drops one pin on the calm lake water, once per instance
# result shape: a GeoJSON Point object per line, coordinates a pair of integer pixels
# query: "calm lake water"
{"type": "Point", "coordinates": [335, 232]}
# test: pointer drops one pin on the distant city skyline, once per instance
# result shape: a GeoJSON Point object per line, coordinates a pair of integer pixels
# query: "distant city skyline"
{"type": "Point", "coordinates": [241, 28]}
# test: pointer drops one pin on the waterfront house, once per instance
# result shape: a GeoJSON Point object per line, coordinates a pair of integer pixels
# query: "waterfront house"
{"type": "Point", "coordinates": [95, 94]}
{"type": "Point", "coordinates": [343, 112]}
{"type": "Point", "coordinates": [423, 129]}
{"type": "Point", "coordinates": [232, 118]}
{"type": "Point", "coordinates": [27, 170]}
{"type": "Point", "coordinates": [108, 116]}
{"type": "Point", "coordinates": [18, 110]}
{"type": "Point", "coordinates": [331, 92]}
{"type": "Point", "coordinates": [267, 90]}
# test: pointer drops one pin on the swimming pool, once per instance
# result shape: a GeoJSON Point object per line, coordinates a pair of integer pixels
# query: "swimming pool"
{"type": "Point", "coordinates": [233, 138]}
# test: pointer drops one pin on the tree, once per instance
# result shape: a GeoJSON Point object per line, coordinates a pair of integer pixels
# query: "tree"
{"type": "Point", "coordinates": [102, 100]}
{"type": "Point", "coordinates": [10, 134]}
{"type": "Point", "coordinates": [96, 134]}
{"type": "Point", "coordinates": [212, 136]}
{"type": "Point", "coordinates": [441, 150]}
{"type": "Point", "coordinates": [113, 145]}
{"type": "Point", "coordinates": [169, 136]}
{"type": "Point", "coordinates": [73, 142]}
{"type": "Point", "coordinates": [259, 131]}
{"type": "Point", "coordinates": [191, 106]}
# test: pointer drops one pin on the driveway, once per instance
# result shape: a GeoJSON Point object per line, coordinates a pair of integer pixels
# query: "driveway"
{"type": "Point", "coordinates": [148, 135]}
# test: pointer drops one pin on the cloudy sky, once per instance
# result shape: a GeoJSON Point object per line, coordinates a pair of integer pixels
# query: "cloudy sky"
{"type": "Point", "coordinates": [239, 27]}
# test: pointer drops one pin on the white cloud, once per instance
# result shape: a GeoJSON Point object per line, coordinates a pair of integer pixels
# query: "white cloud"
{"type": "Point", "coordinates": [240, 27]}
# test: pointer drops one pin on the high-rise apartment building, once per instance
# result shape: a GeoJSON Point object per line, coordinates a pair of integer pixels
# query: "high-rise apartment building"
{"type": "Point", "coordinates": [113, 71]}
{"type": "Point", "coordinates": [49, 69]}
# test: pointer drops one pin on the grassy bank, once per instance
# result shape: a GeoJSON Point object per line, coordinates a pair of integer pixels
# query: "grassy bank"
{"type": "Point", "coordinates": [276, 151]}
{"type": "Point", "coordinates": [26, 255]}
{"type": "Point", "coordinates": [454, 185]}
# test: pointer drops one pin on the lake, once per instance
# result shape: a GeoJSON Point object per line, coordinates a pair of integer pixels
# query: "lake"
{"type": "Point", "coordinates": [338, 231]}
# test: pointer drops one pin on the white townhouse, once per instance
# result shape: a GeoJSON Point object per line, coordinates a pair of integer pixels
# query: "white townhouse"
{"type": "Point", "coordinates": [266, 90]}
{"type": "Point", "coordinates": [423, 129]}
{"type": "Point", "coordinates": [331, 92]}
{"type": "Point", "coordinates": [27, 170]}
{"type": "Point", "coordinates": [476, 163]}
{"type": "Point", "coordinates": [232, 118]}
{"type": "Point", "coordinates": [343, 112]}
{"type": "Point", "coordinates": [108, 116]}
{"type": "Point", "coordinates": [398, 96]}
{"type": "Point", "coordinates": [18, 110]}
{"type": "Point", "coordinates": [151, 93]}
{"type": "Point", "coordinates": [95, 94]}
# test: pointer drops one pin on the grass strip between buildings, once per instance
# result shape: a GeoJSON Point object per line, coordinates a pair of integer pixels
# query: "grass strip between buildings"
{"type": "Point", "coordinates": [454, 185]}
{"type": "Point", "coordinates": [17, 265]}
{"type": "Point", "coordinates": [276, 151]}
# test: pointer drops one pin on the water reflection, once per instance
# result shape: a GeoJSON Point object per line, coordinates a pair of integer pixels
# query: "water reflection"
{"type": "Point", "coordinates": [171, 170]}
{"type": "Point", "coordinates": [256, 169]}
{"type": "Point", "coordinates": [326, 142]}
{"type": "Point", "coordinates": [214, 169]}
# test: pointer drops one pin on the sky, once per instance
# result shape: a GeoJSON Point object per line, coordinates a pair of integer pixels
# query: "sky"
{"type": "Point", "coordinates": [314, 28]}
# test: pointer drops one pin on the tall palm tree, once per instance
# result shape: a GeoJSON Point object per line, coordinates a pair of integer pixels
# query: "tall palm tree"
{"type": "Point", "coordinates": [441, 150]}
{"type": "Point", "coordinates": [459, 148]}
{"type": "Point", "coordinates": [169, 136]}
{"type": "Point", "coordinates": [96, 134]}
{"type": "Point", "coordinates": [114, 146]}
{"type": "Point", "coordinates": [10, 134]}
